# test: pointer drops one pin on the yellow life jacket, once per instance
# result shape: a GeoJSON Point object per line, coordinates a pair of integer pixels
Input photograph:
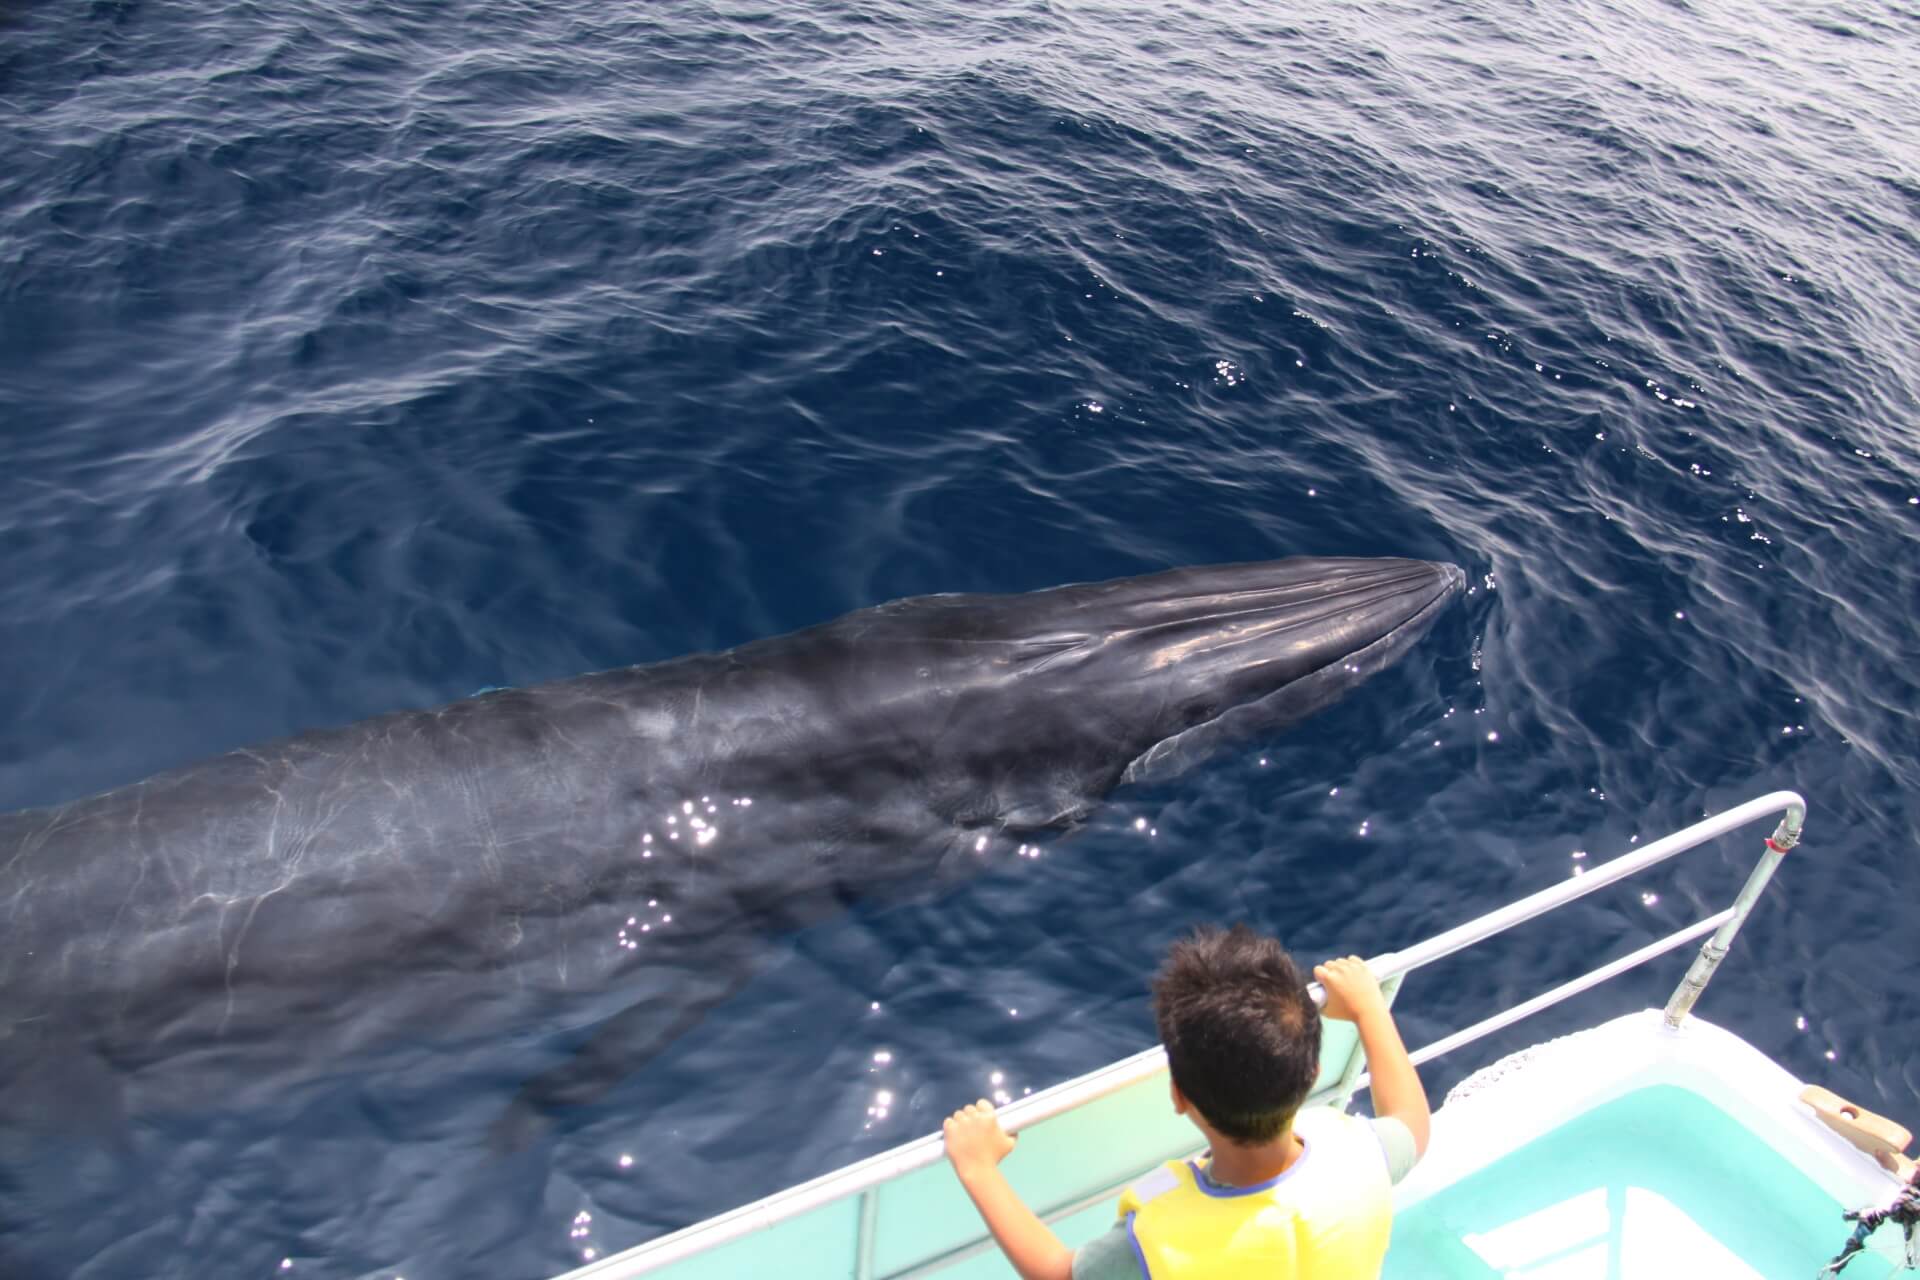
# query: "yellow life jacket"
{"type": "Point", "coordinates": [1326, 1218]}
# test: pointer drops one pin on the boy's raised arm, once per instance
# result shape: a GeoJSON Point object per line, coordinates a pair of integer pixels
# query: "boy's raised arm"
{"type": "Point", "coordinates": [1353, 995]}
{"type": "Point", "coordinates": [976, 1144]}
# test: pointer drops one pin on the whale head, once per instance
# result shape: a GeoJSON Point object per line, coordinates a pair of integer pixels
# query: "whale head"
{"type": "Point", "coordinates": [1060, 695]}
{"type": "Point", "coordinates": [1255, 648]}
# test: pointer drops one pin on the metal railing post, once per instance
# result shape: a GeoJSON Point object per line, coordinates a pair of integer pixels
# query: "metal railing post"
{"type": "Point", "coordinates": [1714, 950]}
{"type": "Point", "coordinates": [869, 1220]}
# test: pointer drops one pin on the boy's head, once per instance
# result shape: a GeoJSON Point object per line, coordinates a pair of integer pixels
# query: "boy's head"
{"type": "Point", "coordinates": [1241, 1032]}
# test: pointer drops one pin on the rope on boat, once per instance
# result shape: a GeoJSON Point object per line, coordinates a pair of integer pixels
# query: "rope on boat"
{"type": "Point", "coordinates": [1905, 1211]}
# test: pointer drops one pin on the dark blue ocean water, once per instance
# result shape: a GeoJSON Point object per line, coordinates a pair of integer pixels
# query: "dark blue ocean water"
{"type": "Point", "coordinates": [356, 357]}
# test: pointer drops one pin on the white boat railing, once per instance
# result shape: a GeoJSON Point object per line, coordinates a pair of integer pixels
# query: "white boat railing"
{"type": "Point", "coordinates": [1723, 924]}
{"type": "Point", "coordinates": [865, 1177]}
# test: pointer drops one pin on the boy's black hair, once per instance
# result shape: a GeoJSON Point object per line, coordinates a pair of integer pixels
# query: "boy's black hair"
{"type": "Point", "coordinates": [1241, 1032]}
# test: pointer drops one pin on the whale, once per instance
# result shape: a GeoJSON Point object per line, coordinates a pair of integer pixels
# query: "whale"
{"type": "Point", "coordinates": [601, 861]}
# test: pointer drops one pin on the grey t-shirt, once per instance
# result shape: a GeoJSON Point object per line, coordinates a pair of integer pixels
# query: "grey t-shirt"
{"type": "Point", "coordinates": [1110, 1256]}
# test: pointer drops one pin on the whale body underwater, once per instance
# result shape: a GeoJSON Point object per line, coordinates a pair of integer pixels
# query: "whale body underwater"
{"type": "Point", "coordinates": [608, 855]}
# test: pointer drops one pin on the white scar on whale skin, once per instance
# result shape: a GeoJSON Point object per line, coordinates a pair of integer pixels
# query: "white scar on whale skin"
{"type": "Point", "coordinates": [652, 723]}
{"type": "Point", "coordinates": [289, 859]}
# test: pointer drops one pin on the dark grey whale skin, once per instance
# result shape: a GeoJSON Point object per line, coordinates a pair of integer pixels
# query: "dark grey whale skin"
{"type": "Point", "coordinates": [467, 873]}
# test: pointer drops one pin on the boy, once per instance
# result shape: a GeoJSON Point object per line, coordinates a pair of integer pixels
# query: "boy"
{"type": "Point", "coordinates": [1280, 1193]}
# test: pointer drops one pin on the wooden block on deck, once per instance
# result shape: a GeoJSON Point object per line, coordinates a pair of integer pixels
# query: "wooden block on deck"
{"type": "Point", "coordinates": [1876, 1135]}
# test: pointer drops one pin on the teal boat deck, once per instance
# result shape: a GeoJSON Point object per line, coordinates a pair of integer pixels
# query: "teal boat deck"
{"type": "Point", "coordinates": [1660, 1182]}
